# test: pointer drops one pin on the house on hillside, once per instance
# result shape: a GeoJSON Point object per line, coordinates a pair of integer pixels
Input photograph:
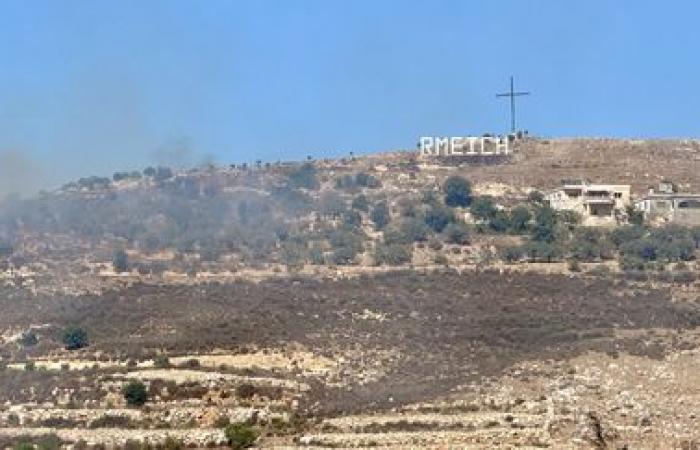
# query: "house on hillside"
{"type": "Point", "coordinates": [668, 205]}
{"type": "Point", "coordinates": [598, 204]}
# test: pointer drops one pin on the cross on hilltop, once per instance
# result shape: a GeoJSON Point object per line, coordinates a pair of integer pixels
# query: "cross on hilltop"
{"type": "Point", "coordinates": [512, 94]}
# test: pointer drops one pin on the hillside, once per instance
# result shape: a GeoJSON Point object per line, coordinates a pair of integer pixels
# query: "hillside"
{"type": "Point", "coordinates": [369, 301]}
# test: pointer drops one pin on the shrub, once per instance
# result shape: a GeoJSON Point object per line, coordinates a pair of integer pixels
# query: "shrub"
{"type": "Point", "coordinates": [240, 435]}
{"type": "Point", "coordinates": [438, 217]}
{"type": "Point", "coordinates": [634, 216]}
{"type": "Point", "coordinates": [120, 261]}
{"type": "Point", "coordinates": [30, 366]}
{"type": "Point", "coordinates": [303, 177]}
{"type": "Point", "coordinates": [499, 222]}
{"type": "Point", "coordinates": [520, 218]}
{"type": "Point", "coordinates": [75, 338]}
{"type": "Point", "coordinates": [344, 256]}
{"type": "Point", "coordinates": [512, 253]}
{"type": "Point", "coordinates": [393, 254]}
{"type": "Point", "coordinates": [542, 251]}
{"type": "Point", "coordinates": [414, 230]}
{"type": "Point", "coordinates": [135, 393]}
{"type": "Point", "coordinates": [626, 233]}
{"type": "Point", "coordinates": [483, 208]}
{"type": "Point", "coordinates": [590, 244]}
{"type": "Point", "coordinates": [380, 215]}
{"type": "Point", "coordinates": [245, 390]}
{"type": "Point", "coordinates": [545, 224]}
{"type": "Point", "coordinates": [535, 197]}
{"type": "Point", "coordinates": [457, 191]}
{"type": "Point", "coordinates": [161, 362]}
{"type": "Point", "coordinates": [366, 180]}
{"type": "Point", "coordinates": [352, 219]}
{"type": "Point", "coordinates": [360, 203]}
{"type": "Point", "coordinates": [331, 204]}
{"type": "Point", "coordinates": [28, 339]}
{"type": "Point", "coordinates": [457, 233]}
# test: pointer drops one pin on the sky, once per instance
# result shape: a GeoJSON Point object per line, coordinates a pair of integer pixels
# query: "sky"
{"type": "Point", "coordinates": [92, 87]}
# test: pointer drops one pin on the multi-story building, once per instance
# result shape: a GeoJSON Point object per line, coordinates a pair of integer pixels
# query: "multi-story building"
{"type": "Point", "coordinates": [598, 204]}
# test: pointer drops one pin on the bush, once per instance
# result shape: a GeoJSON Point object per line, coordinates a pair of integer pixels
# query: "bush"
{"type": "Point", "coordinates": [536, 197]}
{"type": "Point", "coordinates": [120, 261]}
{"type": "Point", "coordinates": [438, 217]}
{"type": "Point", "coordinates": [352, 219]}
{"type": "Point", "coordinates": [380, 215]}
{"type": "Point", "coordinates": [590, 244]}
{"type": "Point", "coordinates": [75, 338]}
{"type": "Point", "coordinates": [544, 229]}
{"type": "Point", "coordinates": [303, 177]}
{"type": "Point", "coordinates": [240, 435]}
{"type": "Point", "coordinates": [393, 254]}
{"type": "Point", "coordinates": [634, 216]}
{"type": "Point", "coordinates": [360, 203]}
{"type": "Point", "coordinates": [539, 251]}
{"type": "Point", "coordinates": [135, 393]}
{"type": "Point", "coordinates": [161, 362]}
{"type": "Point", "coordinates": [626, 233]}
{"type": "Point", "coordinates": [28, 339]}
{"type": "Point", "coordinates": [366, 180]}
{"type": "Point", "coordinates": [499, 222]}
{"type": "Point", "coordinates": [512, 254]}
{"type": "Point", "coordinates": [344, 256]}
{"type": "Point", "coordinates": [457, 191]}
{"type": "Point", "coordinates": [457, 233]}
{"type": "Point", "coordinates": [414, 230]}
{"type": "Point", "coordinates": [483, 208]}
{"type": "Point", "coordinates": [520, 218]}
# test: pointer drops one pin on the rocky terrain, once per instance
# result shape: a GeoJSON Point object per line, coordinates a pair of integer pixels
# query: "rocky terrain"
{"type": "Point", "coordinates": [267, 317]}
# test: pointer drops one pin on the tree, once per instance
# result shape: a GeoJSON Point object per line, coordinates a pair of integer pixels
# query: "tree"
{"type": "Point", "coordinates": [393, 254]}
{"type": "Point", "coordinates": [120, 261]}
{"type": "Point", "coordinates": [438, 217]}
{"type": "Point", "coordinates": [499, 222]}
{"type": "Point", "coordinates": [360, 203]}
{"type": "Point", "coordinates": [545, 224]}
{"type": "Point", "coordinates": [75, 338]}
{"type": "Point", "coordinates": [135, 393]}
{"type": "Point", "coordinates": [457, 233]}
{"type": "Point", "coordinates": [520, 218]}
{"type": "Point", "coordinates": [483, 208]}
{"type": "Point", "coordinates": [366, 180]}
{"type": "Point", "coordinates": [535, 197]}
{"type": "Point", "coordinates": [457, 191]}
{"type": "Point", "coordinates": [149, 171]}
{"type": "Point", "coordinates": [28, 339]}
{"type": "Point", "coordinates": [303, 177]}
{"type": "Point", "coordinates": [240, 435]}
{"type": "Point", "coordinates": [331, 204]}
{"type": "Point", "coordinates": [414, 230]}
{"type": "Point", "coordinates": [380, 215]}
{"type": "Point", "coordinates": [634, 216]}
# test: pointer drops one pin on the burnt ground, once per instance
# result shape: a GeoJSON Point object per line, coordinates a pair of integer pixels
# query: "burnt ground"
{"type": "Point", "coordinates": [442, 329]}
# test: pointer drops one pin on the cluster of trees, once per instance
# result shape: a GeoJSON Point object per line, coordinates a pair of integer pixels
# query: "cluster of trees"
{"type": "Point", "coordinates": [359, 180]}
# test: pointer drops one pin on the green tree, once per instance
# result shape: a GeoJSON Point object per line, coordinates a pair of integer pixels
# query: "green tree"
{"type": "Point", "coordinates": [483, 208]}
{"type": "Point", "coordinates": [120, 261]}
{"type": "Point", "coordinates": [360, 203]}
{"type": "Point", "coordinates": [634, 216]}
{"type": "Point", "coordinates": [75, 338]}
{"type": "Point", "coordinates": [303, 177]}
{"type": "Point", "coordinates": [414, 230]}
{"type": "Point", "coordinates": [520, 217]}
{"type": "Point", "coordinates": [457, 191]}
{"type": "Point", "coordinates": [437, 218]}
{"type": "Point", "coordinates": [380, 215]}
{"type": "Point", "coordinates": [240, 435]}
{"type": "Point", "coordinates": [499, 222]}
{"type": "Point", "coordinates": [544, 229]}
{"type": "Point", "coordinates": [393, 254]}
{"type": "Point", "coordinates": [457, 233]}
{"type": "Point", "coordinates": [135, 393]}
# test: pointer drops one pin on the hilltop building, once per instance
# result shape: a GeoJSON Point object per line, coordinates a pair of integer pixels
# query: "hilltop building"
{"type": "Point", "coordinates": [598, 204]}
{"type": "Point", "coordinates": [668, 205]}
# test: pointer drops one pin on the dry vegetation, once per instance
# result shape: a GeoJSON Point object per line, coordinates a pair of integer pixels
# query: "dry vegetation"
{"type": "Point", "coordinates": [350, 303]}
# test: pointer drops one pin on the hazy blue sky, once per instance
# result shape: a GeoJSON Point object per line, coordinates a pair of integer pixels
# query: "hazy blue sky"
{"type": "Point", "coordinates": [95, 86]}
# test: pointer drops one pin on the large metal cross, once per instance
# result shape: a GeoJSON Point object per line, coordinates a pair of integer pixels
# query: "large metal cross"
{"type": "Point", "coordinates": [512, 94]}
